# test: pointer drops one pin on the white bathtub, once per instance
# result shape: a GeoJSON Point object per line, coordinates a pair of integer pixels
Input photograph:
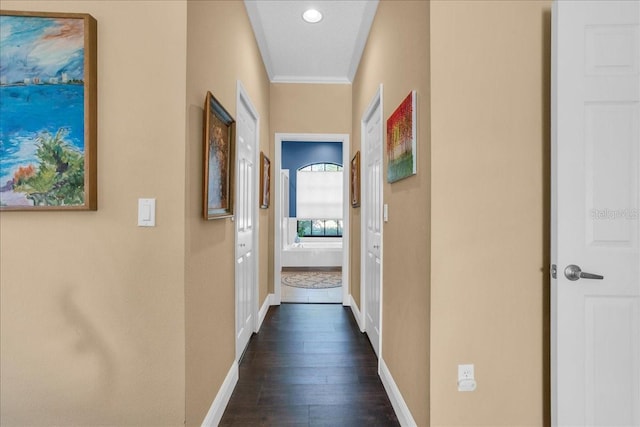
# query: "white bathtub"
{"type": "Point", "coordinates": [313, 254]}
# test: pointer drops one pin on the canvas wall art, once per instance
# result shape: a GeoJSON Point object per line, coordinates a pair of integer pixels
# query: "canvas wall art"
{"type": "Point", "coordinates": [219, 143]}
{"type": "Point", "coordinates": [402, 140]}
{"type": "Point", "coordinates": [48, 102]}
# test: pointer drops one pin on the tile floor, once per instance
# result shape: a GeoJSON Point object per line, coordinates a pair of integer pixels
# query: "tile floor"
{"type": "Point", "coordinates": [330, 295]}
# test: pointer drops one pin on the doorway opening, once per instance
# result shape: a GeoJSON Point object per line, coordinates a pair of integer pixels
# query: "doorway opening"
{"type": "Point", "coordinates": [311, 218]}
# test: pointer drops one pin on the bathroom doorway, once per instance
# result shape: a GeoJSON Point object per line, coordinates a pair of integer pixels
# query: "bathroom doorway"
{"type": "Point", "coordinates": [311, 201]}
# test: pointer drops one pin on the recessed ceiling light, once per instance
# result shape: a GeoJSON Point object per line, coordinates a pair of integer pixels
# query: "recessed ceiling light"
{"type": "Point", "coordinates": [312, 16]}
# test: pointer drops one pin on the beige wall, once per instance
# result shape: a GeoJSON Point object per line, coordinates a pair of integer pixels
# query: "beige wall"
{"type": "Point", "coordinates": [310, 108]}
{"type": "Point", "coordinates": [487, 177]}
{"type": "Point", "coordinates": [490, 109]}
{"type": "Point", "coordinates": [96, 334]}
{"type": "Point", "coordinates": [397, 55]}
{"type": "Point", "coordinates": [221, 50]}
{"type": "Point", "coordinates": [92, 306]}
{"type": "Point", "coordinates": [307, 108]}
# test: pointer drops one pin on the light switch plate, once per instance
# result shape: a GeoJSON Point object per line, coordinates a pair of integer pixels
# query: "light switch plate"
{"type": "Point", "coordinates": [146, 212]}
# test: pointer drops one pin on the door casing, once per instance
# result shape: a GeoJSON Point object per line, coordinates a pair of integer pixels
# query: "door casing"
{"type": "Point", "coordinates": [277, 248]}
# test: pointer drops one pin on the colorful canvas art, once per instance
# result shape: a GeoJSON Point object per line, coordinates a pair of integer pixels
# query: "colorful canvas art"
{"type": "Point", "coordinates": [47, 131]}
{"type": "Point", "coordinates": [401, 140]}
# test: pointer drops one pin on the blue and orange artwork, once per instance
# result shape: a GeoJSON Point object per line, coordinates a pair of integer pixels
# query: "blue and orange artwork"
{"type": "Point", "coordinates": [42, 111]}
{"type": "Point", "coordinates": [401, 140]}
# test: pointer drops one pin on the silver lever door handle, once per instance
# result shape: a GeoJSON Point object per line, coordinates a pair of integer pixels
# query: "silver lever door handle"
{"type": "Point", "coordinates": [573, 273]}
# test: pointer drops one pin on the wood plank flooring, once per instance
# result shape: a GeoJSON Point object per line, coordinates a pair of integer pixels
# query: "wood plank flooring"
{"type": "Point", "coordinates": [309, 366]}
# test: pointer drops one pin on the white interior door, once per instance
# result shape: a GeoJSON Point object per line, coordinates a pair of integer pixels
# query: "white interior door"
{"type": "Point", "coordinates": [372, 220]}
{"type": "Point", "coordinates": [595, 190]}
{"type": "Point", "coordinates": [246, 203]}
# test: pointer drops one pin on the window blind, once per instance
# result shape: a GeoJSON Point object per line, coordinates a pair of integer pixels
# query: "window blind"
{"type": "Point", "coordinates": [319, 195]}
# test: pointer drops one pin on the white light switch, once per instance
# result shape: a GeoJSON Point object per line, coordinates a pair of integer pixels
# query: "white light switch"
{"type": "Point", "coordinates": [385, 212]}
{"type": "Point", "coordinates": [146, 212]}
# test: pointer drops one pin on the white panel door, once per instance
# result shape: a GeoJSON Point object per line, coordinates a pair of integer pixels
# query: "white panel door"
{"type": "Point", "coordinates": [595, 191]}
{"type": "Point", "coordinates": [372, 216]}
{"type": "Point", "coordinates": [246, 202]}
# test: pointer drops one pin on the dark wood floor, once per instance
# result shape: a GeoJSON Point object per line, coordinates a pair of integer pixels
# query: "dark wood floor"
{"type": "Point", "coordinates": [309, 366]}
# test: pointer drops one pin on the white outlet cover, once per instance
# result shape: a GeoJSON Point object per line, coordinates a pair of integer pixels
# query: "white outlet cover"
{"type": "Point", "coordinates": [466, 372]}
{"type": "Point", "coordinates": [467, 385]}
{"type": "Point", "coordinates": [466, 377]}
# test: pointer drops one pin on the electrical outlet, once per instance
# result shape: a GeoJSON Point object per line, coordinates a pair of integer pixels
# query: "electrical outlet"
{"type": "Point", "coordinates": [466, 380]}
{"type": "Point", "coordinates": [465, 372]}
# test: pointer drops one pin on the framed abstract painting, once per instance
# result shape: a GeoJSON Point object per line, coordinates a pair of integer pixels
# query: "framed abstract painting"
{"type": "Point", "coordinates": [219, 151]}
{"type": "Point", "coordinates": [402, 140]}
{"type": "Point", "coordinates": [48, 102]}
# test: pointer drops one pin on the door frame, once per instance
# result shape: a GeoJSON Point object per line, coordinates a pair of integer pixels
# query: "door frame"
{"type": "Point", "coordinates": [346, 168]}
{"type": "Point", "coordinates": [242, 97]}
{"type": "Point", "coordinates": [376, 101]}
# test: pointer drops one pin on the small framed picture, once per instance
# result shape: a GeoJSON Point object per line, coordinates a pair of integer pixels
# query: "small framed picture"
{"type": "Point", "coordinates": [265, 181]}
{"type": "Point", "coordinates": [355, 180]}
{"type": "Point", "coordinates": [219, 149]}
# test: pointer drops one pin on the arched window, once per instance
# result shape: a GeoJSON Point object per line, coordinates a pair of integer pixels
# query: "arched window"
{"type": "Point", "coordinates": [321, 167]}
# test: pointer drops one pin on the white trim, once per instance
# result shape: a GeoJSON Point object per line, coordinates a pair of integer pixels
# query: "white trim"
{"type": "Point", "coordinates": [376, 101]}
{"type": "Point", "coordinates": [397, 401]}
{"type": "Point", "coordinates": [256, 23]}
{"type": "Point", "coordinates": [277, 241]}
{"type": "Point", "coordinates": [356, 314]}
{"type": "Point", "coordinates": [263, 311]}
{"type": "Point", "coordinates": [553, 216]}
{"type": "Point", "coordinates": [242, 98]}
{"type": "Point", "coordinates": [222, 398]}
{"type": "Point", "coordinates": [310, 80]}
{"type": "Point", "coordinates": [361, 39]}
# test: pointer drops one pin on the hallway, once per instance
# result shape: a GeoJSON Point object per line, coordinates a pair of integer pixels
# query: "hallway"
{"type": "Point", "coordinates": [309, 366]}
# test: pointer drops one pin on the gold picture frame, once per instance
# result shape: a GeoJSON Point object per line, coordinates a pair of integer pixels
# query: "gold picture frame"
{"type": "Point", "coordinates": [219, 160]}
{"type": "Point", "coordinates": [355, 180]}
{"type": "Point", "coordinates": [265, 181]}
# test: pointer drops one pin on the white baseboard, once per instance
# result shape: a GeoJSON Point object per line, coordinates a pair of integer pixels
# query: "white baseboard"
{"type": "Point", "coordinates": [397, 401]}
{"type": "Point", "coordinates": [356, 313]}
{"type": "Point", "coordinates": [263, 310]}
{"type": "Point", "coordinates": [222, 398]}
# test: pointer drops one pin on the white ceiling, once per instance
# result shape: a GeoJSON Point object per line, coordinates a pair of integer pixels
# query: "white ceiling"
{"type": "Point", "coordinates": [294, 51]}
